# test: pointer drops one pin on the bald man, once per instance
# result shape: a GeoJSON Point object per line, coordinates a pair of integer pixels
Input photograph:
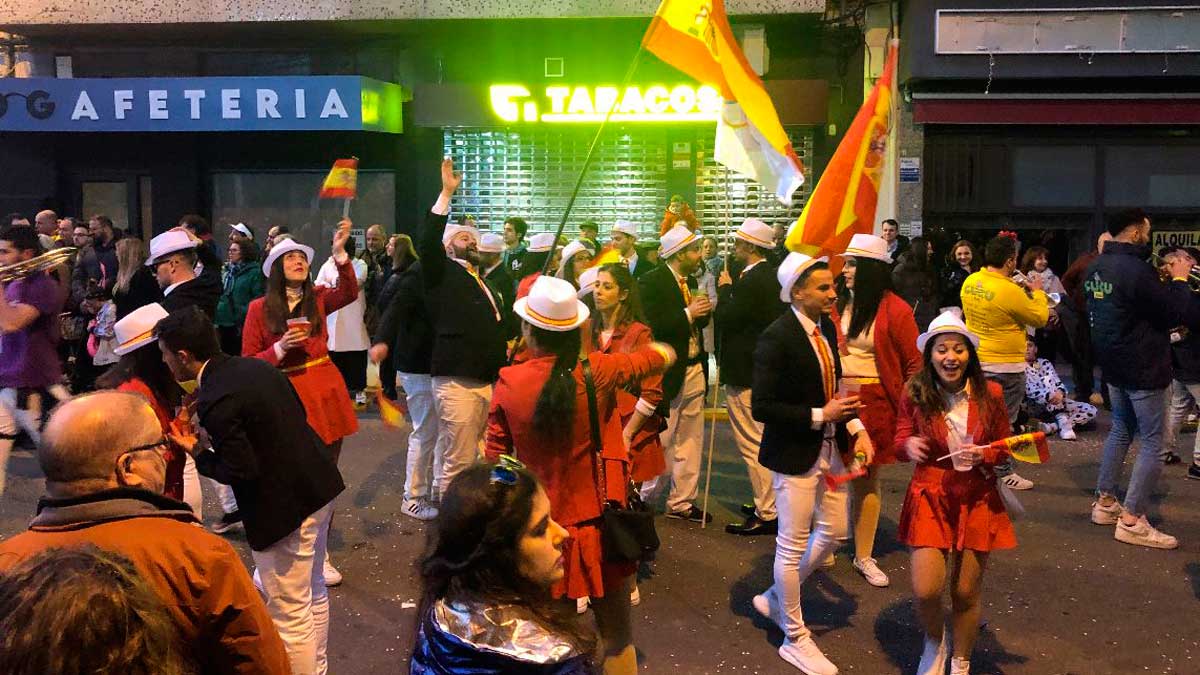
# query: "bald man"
{"type": "Point", "coordinates": [46, 224]}
{"type": "Point", "coordinates": [379, 269]}
{"type": "Point", "coordinates": [102, 457]}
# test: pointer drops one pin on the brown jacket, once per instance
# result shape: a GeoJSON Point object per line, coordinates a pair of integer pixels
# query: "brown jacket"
{"type": "Point", "coordinates": [198, 575]}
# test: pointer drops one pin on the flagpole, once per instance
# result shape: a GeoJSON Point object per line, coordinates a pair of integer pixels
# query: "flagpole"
{"type": "Point", "coordinates": [716, 383]}
{"type": "Point", "coordinates": [345, 208]}
{"type": "Point", "coordinates": [587, 159]}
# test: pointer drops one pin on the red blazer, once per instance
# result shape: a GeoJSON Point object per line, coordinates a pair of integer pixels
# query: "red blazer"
{"type": "Point", "coordinates": [259, 341]}
{"type": "Point", "coordinates": [896, 355]}
{"type": "Point", "coordinates": [912, 422]}
{"type": "Point", "coordinates": [627, 340]}
{"type": "Point", "coordinates": [566, 468]}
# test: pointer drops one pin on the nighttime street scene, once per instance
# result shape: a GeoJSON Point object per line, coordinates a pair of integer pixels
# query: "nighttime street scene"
{"type": "Point", "coordinates": [599, 337]}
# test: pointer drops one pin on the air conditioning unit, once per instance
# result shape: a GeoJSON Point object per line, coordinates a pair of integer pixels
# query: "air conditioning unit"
{"type": "Point", "coordinates": [754, 46]}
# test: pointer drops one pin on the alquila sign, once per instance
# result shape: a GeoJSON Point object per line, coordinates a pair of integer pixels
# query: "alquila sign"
{"type": "Point", "coordinates": [318, 103]}
{"type": "Point", "coordinates": [587, 104]}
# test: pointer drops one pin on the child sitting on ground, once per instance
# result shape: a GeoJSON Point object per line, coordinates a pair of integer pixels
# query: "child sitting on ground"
{"type": "Point", "coordinates": [1046, 398]}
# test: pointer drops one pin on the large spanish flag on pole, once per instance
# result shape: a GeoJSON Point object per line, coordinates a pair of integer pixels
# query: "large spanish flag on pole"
{"type": "Point", "coordinates": [695, 37]}
{"type": "Point", "coordinates": [843, 202]}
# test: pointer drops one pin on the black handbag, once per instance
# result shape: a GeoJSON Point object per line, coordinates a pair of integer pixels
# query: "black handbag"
{"type": "Point", "coordinates": [627, 532]}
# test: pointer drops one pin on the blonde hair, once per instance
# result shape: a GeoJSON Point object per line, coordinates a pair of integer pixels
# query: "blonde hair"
{"type": "Point", "coordinates": [131, 255]}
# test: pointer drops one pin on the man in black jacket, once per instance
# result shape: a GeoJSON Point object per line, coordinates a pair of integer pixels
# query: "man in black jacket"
{"type": "Point", "coordinates": [1131, 312]}
{"type": "Point", "coordinates": [406, 332]}
{"type": "Point", "coordinates": [173, 257]}
{"type": "Point", "coordinates": [624, 240]}
{"type": "Point", "coordinates": [284, 480]}
{"type": "Point", "coordinates": [677, 313]}
{"type": "Point", "coordinates": [806, 431]}
{"type": "Point", "coordinates": [1185, 375]}
{"type": "Point", "coordinates": [745, 307]}
{"type": "Point", "coordinates": [469, 332]}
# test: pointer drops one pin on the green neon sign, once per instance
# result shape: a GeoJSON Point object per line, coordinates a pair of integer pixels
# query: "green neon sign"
{"type": "Point", "coordinates": [560, 104]}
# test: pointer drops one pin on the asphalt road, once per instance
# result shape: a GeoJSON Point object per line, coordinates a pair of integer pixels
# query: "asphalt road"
{"type": "Point", "coordinates": [1069, 599]}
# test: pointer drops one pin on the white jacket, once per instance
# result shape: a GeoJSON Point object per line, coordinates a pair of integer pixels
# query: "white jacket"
{"type": "Point", "coordinates": [347, 330]}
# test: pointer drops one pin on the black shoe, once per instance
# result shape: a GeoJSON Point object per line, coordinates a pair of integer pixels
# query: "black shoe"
{"type": "Point", "coordinates": [1171, 458]}
{"type": "Point", "coordinates": [748, 510]}
{"type": "Point", "coordinates": [1194, 471]}
{"type": "Point", "coordinates": [753, 526]}
{"type": "Point", "coordinates": [227, 522]}
{"type": "Point", "coordinates": [693, 514]}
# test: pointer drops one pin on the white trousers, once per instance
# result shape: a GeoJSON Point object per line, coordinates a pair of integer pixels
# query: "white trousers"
{"type": "Point", "coordinates": [462, 408]}
{"type": "Point", "coordinates": [14, 418]}
{"type": "Point", "coordinates": [224, 492]}
{"type": "Point", "coordinates": [293, 578]}
{"type": "Point", "coordinates": [191, 487]}
{"type": "Point", "coordinates": [424, 452]}
{"type": "Point", "coordinates": [798, 499]}
{"type": "Point", "coordinates": [747, 434]}
{"type": "Point", "coordinates": [682, 441]}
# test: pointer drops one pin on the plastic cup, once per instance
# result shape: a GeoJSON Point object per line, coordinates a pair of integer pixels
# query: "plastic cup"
{"type": "Point", "coordinates": [301, 322]}
{"type": "Point", "coordinates": [960, 463]}
{"type": "Point", "coordinates": [847, 389]}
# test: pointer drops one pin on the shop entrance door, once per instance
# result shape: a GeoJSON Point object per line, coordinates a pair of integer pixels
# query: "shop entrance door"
{"type": "Point", "coordinates": [125, 197]}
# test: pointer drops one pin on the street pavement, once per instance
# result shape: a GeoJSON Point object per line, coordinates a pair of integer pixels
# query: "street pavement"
{"type": "Point", "coordinates": [1069, 599]}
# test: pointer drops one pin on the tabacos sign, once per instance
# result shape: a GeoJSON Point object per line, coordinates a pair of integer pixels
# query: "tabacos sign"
{"type": "Point", "coordinates": [587, 104]}
{"type": "Point", "coordinates": [200, 104]}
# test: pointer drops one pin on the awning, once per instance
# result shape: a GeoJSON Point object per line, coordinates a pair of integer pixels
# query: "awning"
{"type": "Point", "coordinates": [1099, 111]}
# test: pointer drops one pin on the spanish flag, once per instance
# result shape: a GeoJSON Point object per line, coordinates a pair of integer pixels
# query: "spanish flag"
{"type": "Point", "coordinates": [843, 202]}
{"type": "Point", "coordinates": [694, 36]}
{"type": "Point", "coordinates": [342, 181]}
{"type": "Point", "coordinates": [1029, 448]}
{"type": "Point", "coordinates": [392, 414]}
{"type": "Point", "coordinates": [607, 255]}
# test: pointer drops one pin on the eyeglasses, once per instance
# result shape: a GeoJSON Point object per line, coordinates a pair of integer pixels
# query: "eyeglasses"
{"type": "Point", "coordinates": [158, 446]}
{"type": "Point", "coordinates": [505, 471]}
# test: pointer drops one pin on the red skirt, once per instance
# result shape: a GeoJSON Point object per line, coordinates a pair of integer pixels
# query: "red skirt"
{"type": "Point", "coordinates": [646, 458]}
{"type": "Point", "coordinates": [585, 572]}
{"type": "Point", "coordinates": [879, 418]}
{"type": "Point", "coordinates": [948, 509]}
{"type": "Point", "coordinates": [326, 401]}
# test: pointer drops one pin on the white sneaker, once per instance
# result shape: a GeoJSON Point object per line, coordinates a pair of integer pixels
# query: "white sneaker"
{"type": "Point", "coordinates": [1015, 482]}
{"type": "Point", "coordinates": [960, 666]}
{"type": "Point", "coordinates": [419, 509]}
{"type": "Point", "coordinates": [805, 655]}
{"type": "Point", "coordinates": [1106, 514]}
{"type": "Point", "coordinates": [332, 576]}
{"type": "Point", "coordinates": [871, 572]}
{"type": "Point", "coordinates": [258, 583]}
{"type": "Point", "coordinates": [635, 597]}
{"type": "Point", "coordinates": [1142, 533]}
{"type": "Point", "coordinates": [581, 604]}
{"type": "Point", "coordinates": [1067, 434]}
{"type": "Point", "coordinates": [1049, 428]}
{"type": "Point", "coordinates": [767, 604]}
{"type": "Point", "coordinates": [933, 657]}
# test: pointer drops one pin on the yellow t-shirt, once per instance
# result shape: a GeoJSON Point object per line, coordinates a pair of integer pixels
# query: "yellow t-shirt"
{"type": "Point", "coordinates": [998, 310]}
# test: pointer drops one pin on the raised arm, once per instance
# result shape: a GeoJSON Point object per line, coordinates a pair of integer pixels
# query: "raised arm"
{"type": "Point", "coordinates": [429, 244]}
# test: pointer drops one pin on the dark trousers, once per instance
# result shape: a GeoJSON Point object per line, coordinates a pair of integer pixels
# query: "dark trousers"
{"type": "Point", "coordinates": [387, 377]}
{"type": "Point", "coordinates": [231, 339]}
{"type": "Point", "coordinates": [353, 366]}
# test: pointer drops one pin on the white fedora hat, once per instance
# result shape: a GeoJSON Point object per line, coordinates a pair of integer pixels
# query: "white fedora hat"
{"type": "Point", "coordinates": [625, 227]}
{"type": "Point", "coordinates": [171, 241]}
{"type": "Point", "coordinates": [453, 229]}
{"type": "Point", "coordinates": [137, 328]}
{"type": "Point", "coordinates": [587, 281]}
{"type": "Point", "coordinates": [790, 270]}
{"type": "Point", "coordinates": [755, 231]}
{"type": "Point", "coordinates": [491, 242]}
{"type": "Point", "coordinates": [676, 239]}
{"type": "Point", "coordinates": [946, 322]}
{"type": "Point", "coordinates": [541, 242]}
{"type": "Point", "coordinates": [241, 227]}
{"type": "Point", "coordinates": [867, 246]}
{"type": "Point", "coordinates": [552, 304]}
{"type": "Point", "coordinates": [569, 252]}
{"type": "Point", "coordinates": [282, 247]}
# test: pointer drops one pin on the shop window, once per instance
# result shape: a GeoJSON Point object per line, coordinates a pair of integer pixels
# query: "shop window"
{"type": "Point", "coordinates": [262, 200]}
{"type": "Point", "coordinates": [1053, 176]}
{"type": "Point", "coordinates": [109, 198]}
{"type": "Point", "coordinates": [1152, 176]}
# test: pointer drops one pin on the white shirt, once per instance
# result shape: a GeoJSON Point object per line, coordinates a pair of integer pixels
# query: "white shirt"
{"type": "Point", "coordinates": [346, 328]}
{"type": "Point", "coordinates": [853, 425]}
{"type": "Point", "coordinates": [177, 284]}
{"type": "Point", "coordinates": [633, 262]}
{"type": "Point", "coordinates": [957, 411]}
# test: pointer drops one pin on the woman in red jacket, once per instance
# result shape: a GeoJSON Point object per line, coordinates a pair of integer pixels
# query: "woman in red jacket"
{"type": "Point", "coordinates": [953, 508]}
{"type": "Point", "coordinates": [540, 414]}
{"type": "Point", "coordinates": [876, 337]}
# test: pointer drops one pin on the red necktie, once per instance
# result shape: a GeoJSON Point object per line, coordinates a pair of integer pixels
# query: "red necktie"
{"type": "Point", "coordinates": [827, 371]}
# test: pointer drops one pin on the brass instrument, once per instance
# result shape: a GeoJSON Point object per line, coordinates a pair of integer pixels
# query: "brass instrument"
{"type": "Point", "coordinates": [1164, 274]}
{"type": "Point", "coordinates": [46, 261]}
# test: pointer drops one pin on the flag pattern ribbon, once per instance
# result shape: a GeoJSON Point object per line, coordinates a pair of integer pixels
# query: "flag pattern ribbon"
{"type": "Point", "coordinates": [844, 200]}
{"type": "Point", "coordinates": [694, 36]}
{"type": "Point", "coordinates": [342, 181]}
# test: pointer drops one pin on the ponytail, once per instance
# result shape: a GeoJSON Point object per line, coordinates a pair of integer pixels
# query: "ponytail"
{"type": "Point", "coordinates": [554, 416]}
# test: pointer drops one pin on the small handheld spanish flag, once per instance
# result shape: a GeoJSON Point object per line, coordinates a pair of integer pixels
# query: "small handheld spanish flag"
{"type": "Point", "coordinates": [1030, 448]}
{"type": "Point", "coordinates": [342, 181]}
{"type": "Point", "coordinates": [391, 413]}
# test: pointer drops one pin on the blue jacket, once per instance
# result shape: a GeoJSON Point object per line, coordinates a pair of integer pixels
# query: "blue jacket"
{"type": "Point", "coordinates": [1131, 311]}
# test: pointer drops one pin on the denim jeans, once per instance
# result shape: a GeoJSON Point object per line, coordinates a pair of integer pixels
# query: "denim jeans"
{"type": "Point", "coordinates": [1183, 398]}
{"type": "Point", "coordinates": [1134, 411]}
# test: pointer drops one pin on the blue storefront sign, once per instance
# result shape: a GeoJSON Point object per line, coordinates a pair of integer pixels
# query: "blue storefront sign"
{"type": "Point", "coordinates": [317, 103]}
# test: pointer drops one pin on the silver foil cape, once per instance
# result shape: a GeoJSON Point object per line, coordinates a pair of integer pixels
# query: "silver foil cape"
{"type": "Point", "coordinates": [506, 629]}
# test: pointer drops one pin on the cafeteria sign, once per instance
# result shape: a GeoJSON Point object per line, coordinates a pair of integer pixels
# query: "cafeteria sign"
{"type": "Point", "coordinates": [583, 104]}
{"type": "Point", "coordinates": [318, 103]}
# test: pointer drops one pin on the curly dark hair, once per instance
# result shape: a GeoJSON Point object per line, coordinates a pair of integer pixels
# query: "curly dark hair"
{"type": "Point", "coordinates": [81, 611]}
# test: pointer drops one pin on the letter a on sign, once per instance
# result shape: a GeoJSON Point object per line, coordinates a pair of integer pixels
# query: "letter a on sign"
{"type": "Point", "coordinates": [333, 106]}
{"type": "Point", "coordinates": [84, 108]}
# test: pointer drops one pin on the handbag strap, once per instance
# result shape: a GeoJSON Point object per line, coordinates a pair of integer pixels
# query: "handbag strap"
{"type": "Point", "coordinates": [594, 422]}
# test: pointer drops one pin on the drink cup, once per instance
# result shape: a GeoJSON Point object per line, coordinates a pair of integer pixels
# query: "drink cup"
{"type": "Point", "coordinates": [960, 463]}
{"type": "Point", "coordinates": [847, 388]}
{"type": "Point", "coordinates": [300, 322]}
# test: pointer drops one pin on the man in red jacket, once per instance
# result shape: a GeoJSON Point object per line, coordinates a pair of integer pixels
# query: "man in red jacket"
{"type": "Point", "coordinates": [101, 454]}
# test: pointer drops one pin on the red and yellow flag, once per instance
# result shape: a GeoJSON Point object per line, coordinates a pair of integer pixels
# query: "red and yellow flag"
{"type": "Point", "coordinates": [607, 255]}
{"type": "Point", "coordinates": [1029, 448]}
{"type": "Point", "coordinates": [843, 202]}
{"type": "Point", "coordinates": [694, 36]}
{"type": "Point", "coordinates": [342, 181]}
{"type": "Point", "coordinates": [392, 414]}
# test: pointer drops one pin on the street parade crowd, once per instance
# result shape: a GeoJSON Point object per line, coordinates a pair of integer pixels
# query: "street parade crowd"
{"type": "Point", "coordinates": [555, 392]}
